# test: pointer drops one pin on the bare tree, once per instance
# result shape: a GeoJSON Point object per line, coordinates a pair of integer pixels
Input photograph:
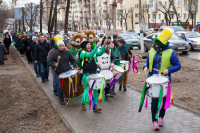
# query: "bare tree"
{"type": "Point", "coordinates": [30, 12]}
{"type": "Point", "coordinates": [123, 17]}
{"type": "Point", "coordinates": [166, 10]}
{"type": "Point", "coordinates": [67, 16]}
{"type": "Point", "coordinates": [131, 15]}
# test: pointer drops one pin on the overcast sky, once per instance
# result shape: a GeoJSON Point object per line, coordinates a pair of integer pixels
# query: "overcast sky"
{"type": "Point", "coordinates": [22, 2]}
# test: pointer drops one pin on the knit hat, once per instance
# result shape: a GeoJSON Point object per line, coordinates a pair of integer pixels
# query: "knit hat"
{"type": "Point", "coordinates": [60, 42]}
{"type": "Point", "coordinates": [84, 43]}
{"type": "Point", "coordinates": [162, 39]}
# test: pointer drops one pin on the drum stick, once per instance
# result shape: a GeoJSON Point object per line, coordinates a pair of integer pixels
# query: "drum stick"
{"type": "Point", "coordinates": [58, 59]}
{"type": "Point", "coordinates": [157, 70]}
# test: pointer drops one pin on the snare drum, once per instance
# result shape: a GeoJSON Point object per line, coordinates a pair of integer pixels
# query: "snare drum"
{"type": "Point", "coordinates": [124, 63]}
{"type": "Point", "coordinates": [65, 78]}
{"type": "Point", "coordinates": [155, 81]}
{"type": "Point", "coordinates": [118, 70]}
{"type": "Point", "coordinates": [98, 78]}
{"type": "Point", "coordinates": [108, 75]}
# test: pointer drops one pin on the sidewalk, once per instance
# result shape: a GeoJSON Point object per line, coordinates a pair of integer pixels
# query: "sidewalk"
{"type": "Point", "coordinates": [119, 114]}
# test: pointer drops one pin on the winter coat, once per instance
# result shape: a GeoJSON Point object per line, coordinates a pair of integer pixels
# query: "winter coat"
{"type": "Point", "coordinates": [7, 42]}
{"type": "Point", "coordinates": [2, 51]}
{"type": "Point", "coordinates": [41, 51]}
{"type": "Point", "coordinates": [64, 63]}
{"type": "Point", "coordinates": [124, 52]}
{"type": "Point", "coordinates": [157, 61]}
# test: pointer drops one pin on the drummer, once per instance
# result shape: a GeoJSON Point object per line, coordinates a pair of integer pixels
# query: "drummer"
{"type": "Point", "coordinates": [88, 61]}
{"type": "Point", "coordinates": [117, 59]}
{"type": "Point", "coordinates": [125, 55]}
{"type": "Point", "coordinates": [63, 65]}
{"type": "Point", "coordinates": [169, 64]}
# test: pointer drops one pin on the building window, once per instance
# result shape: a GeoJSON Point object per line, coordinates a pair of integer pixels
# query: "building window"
{"type": "Point", "coordinates": [165, 3]}
{"type": "Point", "coordinates": [159, 16]}
{"type": "Point", "coordinates": [160, 3]}
{"type": "Point", "coordinates": [136, 15]}
{"type": "Point", "coordinates": [184, 16]}
{"type": "Point", "coordinates": [154, 16]}
{"type": "Point", "coordinates": [179, 15]}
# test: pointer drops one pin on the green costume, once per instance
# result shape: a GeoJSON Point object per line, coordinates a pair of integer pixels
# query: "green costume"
{"type": "Point", "coordinates": [85, 56]}
{"type": "Point", "coordinates": [74, 52]}
{"type": "Point", "coordinates": [116, 52]}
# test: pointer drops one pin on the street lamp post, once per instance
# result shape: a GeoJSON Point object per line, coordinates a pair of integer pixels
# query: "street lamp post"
{"type": "Point", "coordinates": [141, 27]}
{"type": "Point", "coordinates": [114, 7]}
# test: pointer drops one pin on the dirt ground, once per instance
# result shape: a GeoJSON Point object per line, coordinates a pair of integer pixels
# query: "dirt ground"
{"type": "Point", "coordinates": [185, 83]}
{"type": "Point", "coordinates": [24, 107]}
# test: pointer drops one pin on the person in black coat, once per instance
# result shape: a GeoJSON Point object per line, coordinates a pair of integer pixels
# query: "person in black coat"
{"type": "Point", "coordinates": [7, 42]}
{"type": "Point", "coordinates": [40, 56]}
{"type": "Point", "coordinates": [27, 43]}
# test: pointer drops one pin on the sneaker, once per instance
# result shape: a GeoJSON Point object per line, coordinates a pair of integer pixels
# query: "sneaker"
{"type": "Point", "coordinates": [47, 79]}
{"type": "Point", "coordinates": [83, 108]}
{"type": "Point", "coordinates": [38, 75]}
{"type": "Point", "coordinates": [62, 103]}
{"type": "Point", "coordinates": [155, 126]}
{"type": "Point", "coordinates": [97, 108]}
{"type": "Point", "coordinates": [120, 88]}
{"type": "Point", "coordinates": [107, 95]}
{"type": "Point", "coordinates": [124, 88]}
{"type": "Point", "coordinates": [161, 122]}
{"type": "Point", "coordinates": [43, 81]}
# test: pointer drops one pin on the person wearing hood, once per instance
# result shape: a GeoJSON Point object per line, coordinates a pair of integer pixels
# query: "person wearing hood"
{"type": "Point", "coordinates": [66, 58]}
{"type": "Point", "coordinates": [163, 59]}
{"type": "Point", "coordinates": [125, 55]}
{"type": "Point", "coordinates": [88, 58]}
{"type": "Point", "coordinates": [40, 56]}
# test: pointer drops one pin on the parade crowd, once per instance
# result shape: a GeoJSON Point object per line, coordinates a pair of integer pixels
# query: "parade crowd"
{"type": "Point", "coordinates": [90, 66]}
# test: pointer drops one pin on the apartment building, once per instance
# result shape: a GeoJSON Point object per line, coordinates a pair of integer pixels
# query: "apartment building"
{"type": "Point", "coordinates": [132, 8]}
{"type": "Point", "coordinates": [187, 13]}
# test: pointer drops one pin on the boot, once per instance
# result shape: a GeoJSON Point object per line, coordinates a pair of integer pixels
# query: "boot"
{"type": "Point", "coordinates": [120, 88]}
{"type": "Point", "coordinates": [124, 88]}
{"type": "Point", "coordinates": [97, 108]}
{"type": "Point", "coordinates": [83, 107]}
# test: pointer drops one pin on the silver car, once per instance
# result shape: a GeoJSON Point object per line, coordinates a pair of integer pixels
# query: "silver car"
{"type": "Point", "coordinates": [176, 44]}
{"type": "Point", "coordinates": [193, 38]}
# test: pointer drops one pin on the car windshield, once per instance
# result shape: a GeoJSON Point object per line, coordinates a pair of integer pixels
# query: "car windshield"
{"type": "Point", "coordinates": [100, 32]}
{"type": "Point", "coordinates": [175, 28]}
{"type": "Point", "coordinates": [128, 37]}
{"type": "Point", "coordinates": [192, 35]}
{"type": "Point", "coordinates": [174, 37]}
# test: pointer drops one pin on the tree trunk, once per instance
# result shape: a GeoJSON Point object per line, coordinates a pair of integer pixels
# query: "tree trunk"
{"type": "Point", "coordinates": [23, 23]}
{"type": "Point", "coordinates": [19, 25]}
{"type": "Point", "coordinates": [67, 16]}
{"type": "Point", "coordinates": [41, 13]}
{"type": "Point", "coordinates": [56, 16]}
{"type": "Point", "coordinates": [50, 16]}
{"type": "Point", "coordinates": [31, 21]}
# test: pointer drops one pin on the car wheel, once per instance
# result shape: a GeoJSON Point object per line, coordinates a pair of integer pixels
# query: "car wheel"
{"type": "Point", "coordinates": [190, 48]}
{"type": "Point", "coordinates": [184, 52]}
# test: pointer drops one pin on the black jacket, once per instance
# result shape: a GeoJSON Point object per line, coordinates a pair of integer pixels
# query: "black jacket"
{"type": "Point", "coordinates": [7, 42]}
{"type": "Point", "coordinates": [41, 51]}
{"type": "Point", "coordinates": [65, 61]}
